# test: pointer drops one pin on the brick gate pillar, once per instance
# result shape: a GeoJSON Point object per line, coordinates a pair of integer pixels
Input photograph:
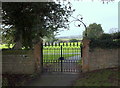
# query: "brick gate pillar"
{"type": "Point", "coordinates": [38, 56]}
{"type": "Point", "coordinates": [85, 55]}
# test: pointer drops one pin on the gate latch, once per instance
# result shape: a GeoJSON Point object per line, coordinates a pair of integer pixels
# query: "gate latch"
{"type": "Point", "coordinates": [61, 58]}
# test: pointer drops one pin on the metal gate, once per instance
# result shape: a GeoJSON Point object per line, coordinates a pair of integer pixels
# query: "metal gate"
{"type": "Point", "coordinates": [61, 57]}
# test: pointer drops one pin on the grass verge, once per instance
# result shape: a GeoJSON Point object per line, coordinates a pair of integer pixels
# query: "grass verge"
{"type": "Point", "coordinates": [104, 77]}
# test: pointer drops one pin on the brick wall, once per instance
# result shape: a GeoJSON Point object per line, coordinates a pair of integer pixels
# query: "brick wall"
{"type": "Point", "coordinates": [38, 57]}
{"type": "Point", "coordinates": [85, 55]}
{"type": "Point", "coordinates": [98, 58]}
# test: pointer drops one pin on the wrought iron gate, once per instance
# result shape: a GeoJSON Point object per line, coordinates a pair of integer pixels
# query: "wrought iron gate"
{"type": "Point", "coordinates": [61, 57]}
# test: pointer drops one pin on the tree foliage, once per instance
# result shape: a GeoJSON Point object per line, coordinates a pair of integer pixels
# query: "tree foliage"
{"type": "Point", "coordinates": [105, 36]}
{"type": "Point", "coordinates": [33, 20]}
{"type": "Point", "coordinates": [73, 40]}
{"type": "Point", "coordinates": [116, 35]}
{"type": "Point", "coordinates": [112, 36]}
{"type": "Point", "coordinates": [93, 31]}
{"type": "Point", "coordinates": [106, 41]}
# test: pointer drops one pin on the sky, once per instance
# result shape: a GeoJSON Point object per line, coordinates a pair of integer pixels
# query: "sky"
{"type": "Point", "coordinates": [93, 12]}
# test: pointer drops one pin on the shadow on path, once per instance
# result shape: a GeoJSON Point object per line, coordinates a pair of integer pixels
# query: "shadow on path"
{"type": "Point", "coordinates": [54, 79]}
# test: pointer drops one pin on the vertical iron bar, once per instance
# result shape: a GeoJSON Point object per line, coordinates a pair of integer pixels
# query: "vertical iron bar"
{"type": "Point", "coordinates": [41, 56]}
{"type": "Point", "coordinates": [81, 49]}
{"type": "Point", "coordinates": [54, 48]}
{"type": "Point", "coordinates": [61, 60]}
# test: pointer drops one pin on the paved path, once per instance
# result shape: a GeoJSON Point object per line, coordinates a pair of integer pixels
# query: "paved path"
{"type": "Point", "coordinates": [54, 79]}
{"type": "Point", "coordinates": [58, 78]}
{"type": "Point", "coordinates": [77, 57]}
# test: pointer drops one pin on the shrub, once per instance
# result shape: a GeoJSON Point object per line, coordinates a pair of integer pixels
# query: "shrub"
{"type": "Point", "coordinates": [105, 37]}
{"type": "Point", "coordinates": [116, 35]}
{"type": "Point", "coordinates": [105, 41]}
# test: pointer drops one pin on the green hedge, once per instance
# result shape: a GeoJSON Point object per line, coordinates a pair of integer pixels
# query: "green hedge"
{"type": "Point", "coordinates": [105, 44]}
{"type": "Point", "coordinates": [106, 41]}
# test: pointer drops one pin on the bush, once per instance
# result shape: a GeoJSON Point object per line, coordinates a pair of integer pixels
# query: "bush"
{"type": "Point", "coordinates": [105, 37]}
{"type": "Point", "coordinates": [73, 40]}
{"type": "Point", "coordinates": [116, 35]}
{"type": "Point", "coordinates": [105, 41]}
{"type": "Point", "coordinates": [105, 44]}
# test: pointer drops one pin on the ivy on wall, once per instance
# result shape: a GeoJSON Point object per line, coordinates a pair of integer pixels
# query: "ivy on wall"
{"type": "Point", "coordinates": [106, 41]}
{"type": "Point", "coordinates": [104, 44]}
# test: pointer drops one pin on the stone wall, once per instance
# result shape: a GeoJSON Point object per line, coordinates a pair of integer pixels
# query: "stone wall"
{"type": "Point", "coordinates": [98, 58]}
{"type": "Point", "coordinates": [18, 63]}
{"type": "Point", "coordinates": [103, 58]}
{"type": "Point", "coordinates": [22, 61]}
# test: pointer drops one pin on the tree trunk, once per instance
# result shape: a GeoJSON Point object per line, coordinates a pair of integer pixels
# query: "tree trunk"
{"type": "Point", "coordinates": [18, 45]}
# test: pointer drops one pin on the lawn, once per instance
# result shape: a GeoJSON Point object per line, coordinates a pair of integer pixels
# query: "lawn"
{"type": "Point", "coordinates": [104, 77]}
{"type": "Point", "coordinates": [5, 46]}
{"type": "Point", "coordinates": [56, 57]}
{"type": "Point", "coordinates": [65, 49]}
{"type": "Point", "coordinates": [53, 52]}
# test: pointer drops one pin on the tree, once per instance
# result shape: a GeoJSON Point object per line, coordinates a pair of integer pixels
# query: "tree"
{"type": "Point", "coordinates": [93, 31]}
{"type": "Point", "coordinates": [33, 20]}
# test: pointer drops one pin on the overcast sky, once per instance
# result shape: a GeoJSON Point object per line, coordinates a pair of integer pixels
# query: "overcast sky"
{"type": "Point", "coordinates": [93, 12]}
